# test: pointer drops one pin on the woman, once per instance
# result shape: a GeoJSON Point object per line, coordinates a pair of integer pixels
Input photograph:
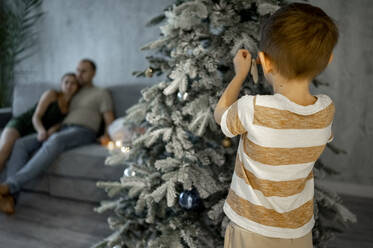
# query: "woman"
{"type": "Point", "coordinates": [44, 118]}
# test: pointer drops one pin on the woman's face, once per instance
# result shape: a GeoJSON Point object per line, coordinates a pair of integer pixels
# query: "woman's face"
{"type": "Point", "coordinates": [69, 85]}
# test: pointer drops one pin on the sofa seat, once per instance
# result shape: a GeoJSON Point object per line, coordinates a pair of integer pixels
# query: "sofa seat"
{"type": "Point", "coordinates": [75, 172]}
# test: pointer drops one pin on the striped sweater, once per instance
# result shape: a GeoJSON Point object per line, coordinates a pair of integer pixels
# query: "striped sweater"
{"type": "Point", "coordinates": [272, 186]}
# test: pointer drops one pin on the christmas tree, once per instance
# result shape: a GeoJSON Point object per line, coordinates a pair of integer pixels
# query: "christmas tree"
{"type": "Point", "coordinates": [178, 172]}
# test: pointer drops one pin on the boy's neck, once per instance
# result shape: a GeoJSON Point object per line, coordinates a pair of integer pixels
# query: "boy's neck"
{"type": "Point", "coordinates": [295, 90]}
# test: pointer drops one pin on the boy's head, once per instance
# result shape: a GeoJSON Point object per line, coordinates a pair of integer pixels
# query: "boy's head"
{"type": "Point", "coordinates": [298, 40]}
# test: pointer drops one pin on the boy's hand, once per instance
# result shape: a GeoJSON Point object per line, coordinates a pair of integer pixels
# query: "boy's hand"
{"type": "Point", "coordinates": [242, 62]}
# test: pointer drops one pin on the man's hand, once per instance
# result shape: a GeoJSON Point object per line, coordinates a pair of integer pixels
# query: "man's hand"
{"type": "Point", "coordinates": [108, 119]}
{"type": "Point", "coordinates": [50, 132]}
{"type": "Point", "coordinates": [104, 140]}
{"type": "Point", "coordinates": [42, 135]}
{"type": "Point", "coordinates": [53, 129]}
{"type": "Point", "coordinates": [242, 63]}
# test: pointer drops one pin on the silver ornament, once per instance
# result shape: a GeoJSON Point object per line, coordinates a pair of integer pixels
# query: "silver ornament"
{"type": "Point", "coordinates": [181, 96]}
{"type": "Point", "coordinates": [128, 172]}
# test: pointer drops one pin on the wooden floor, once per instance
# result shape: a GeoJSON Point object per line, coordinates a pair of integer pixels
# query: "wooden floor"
{"type": "Point", "coordinates": [360, 235]}
{"type": "Point", "coordinates": [42, 221]}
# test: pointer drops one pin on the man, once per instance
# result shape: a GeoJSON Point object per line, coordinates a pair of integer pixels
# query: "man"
{"type": "Point", "coordinates": [80, 127]}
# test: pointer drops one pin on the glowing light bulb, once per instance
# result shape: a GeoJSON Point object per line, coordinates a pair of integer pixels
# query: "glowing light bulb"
{"type": "Point", "coordinates": [118, 143]}
{"type": "Point", "coordinates": [125, 149]}
{"type": "Point", "coordinates": [111, 145]}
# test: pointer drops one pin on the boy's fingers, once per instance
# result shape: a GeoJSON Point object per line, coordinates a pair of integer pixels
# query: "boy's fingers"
{"type": "Point", "coordinates": [242, 55]}
{"type": "Point", "coordinates": [246, 54]}
{"type": "Point", "coordinates": [243, 52]}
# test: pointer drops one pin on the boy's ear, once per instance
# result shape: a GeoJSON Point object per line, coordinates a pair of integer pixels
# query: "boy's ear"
{"type": "Point", "coordinates": [331, 58]}
{"type": "Point", "coordinates": [266, 63]}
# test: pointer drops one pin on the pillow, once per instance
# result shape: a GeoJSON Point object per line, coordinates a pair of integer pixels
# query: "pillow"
{"type": "Point", "coordinates": [118, 131]}
{"type": "Point", "coordinates": [124, 132]}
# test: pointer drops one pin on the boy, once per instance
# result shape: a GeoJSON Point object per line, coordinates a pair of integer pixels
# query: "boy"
{"type": "Point", "coordinates": [270, 201]}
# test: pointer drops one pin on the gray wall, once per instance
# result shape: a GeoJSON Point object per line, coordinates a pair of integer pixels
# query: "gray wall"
{"type": "Point", "coordinates": [112, 31]}
{"type": "Point", "coordinates": [351, 88]}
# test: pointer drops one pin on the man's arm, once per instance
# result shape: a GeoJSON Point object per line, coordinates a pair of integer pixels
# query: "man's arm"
{"type": "Point", "coordinates": [108, 119]}
{"type": "Point", "coordinates": [242, 63]}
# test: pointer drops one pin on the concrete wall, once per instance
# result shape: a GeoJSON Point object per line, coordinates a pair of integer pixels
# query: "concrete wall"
{"type": "Point", "coordinates": [112, 31]}
{"type": "Point", "coordinates": [351, 88]}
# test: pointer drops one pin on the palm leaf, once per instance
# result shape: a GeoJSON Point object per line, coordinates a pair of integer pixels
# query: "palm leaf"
{"type": "Point", "coordinates": [17, 38]}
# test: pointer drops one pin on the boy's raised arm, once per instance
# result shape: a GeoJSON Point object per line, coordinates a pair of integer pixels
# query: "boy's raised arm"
{"type": "Point", "coordinates": [242, 63]}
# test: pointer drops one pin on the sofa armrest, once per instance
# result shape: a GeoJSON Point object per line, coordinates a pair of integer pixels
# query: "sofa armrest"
{"type": "Point", "coordinates": [5, 116]}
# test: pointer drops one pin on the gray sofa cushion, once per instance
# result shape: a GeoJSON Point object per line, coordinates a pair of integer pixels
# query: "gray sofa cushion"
{"type": "Point", "coordinates": [86, 162]}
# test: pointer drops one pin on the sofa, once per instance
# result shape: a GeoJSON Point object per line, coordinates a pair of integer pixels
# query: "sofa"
{"type": "Point", "coordinates": [74, 173]}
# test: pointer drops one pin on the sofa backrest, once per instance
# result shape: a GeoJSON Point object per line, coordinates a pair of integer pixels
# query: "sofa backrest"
{"type": "Point", "coordinates": [124, 96]}
{"type": "Point", "coordinates": [26, 95]}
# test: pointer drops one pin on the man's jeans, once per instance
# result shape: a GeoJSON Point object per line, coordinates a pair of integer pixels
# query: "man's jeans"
{"type": "Point", "coordinates": [20, 169]}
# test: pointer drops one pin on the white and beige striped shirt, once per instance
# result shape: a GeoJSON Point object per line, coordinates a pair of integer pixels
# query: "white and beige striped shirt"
{"type": "Point", "coordinates": [272, 186]}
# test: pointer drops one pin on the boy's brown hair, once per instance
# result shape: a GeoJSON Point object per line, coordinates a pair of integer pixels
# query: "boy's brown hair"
{"type": "Point", "coordinates": [299, 39]}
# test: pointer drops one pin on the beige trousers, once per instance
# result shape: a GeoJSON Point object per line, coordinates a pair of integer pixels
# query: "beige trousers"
{"type": "Point", "coordinates": [238, 237]}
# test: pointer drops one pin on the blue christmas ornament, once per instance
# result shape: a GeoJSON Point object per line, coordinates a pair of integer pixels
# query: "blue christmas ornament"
{"type": "Point", "coordinates": [189, 199]}
{"type": "Point", "coordinates": [193, 138]}
{"type": "Point", "coordinates": [205, 43]}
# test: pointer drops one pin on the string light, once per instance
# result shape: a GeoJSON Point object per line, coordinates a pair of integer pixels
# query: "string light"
{"type": "Point", "coordinates": [125, 149]}
{"type": "Point", "coordinates": [118, 143]}
{"type": "Point", "coordinates": [111, 145]}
